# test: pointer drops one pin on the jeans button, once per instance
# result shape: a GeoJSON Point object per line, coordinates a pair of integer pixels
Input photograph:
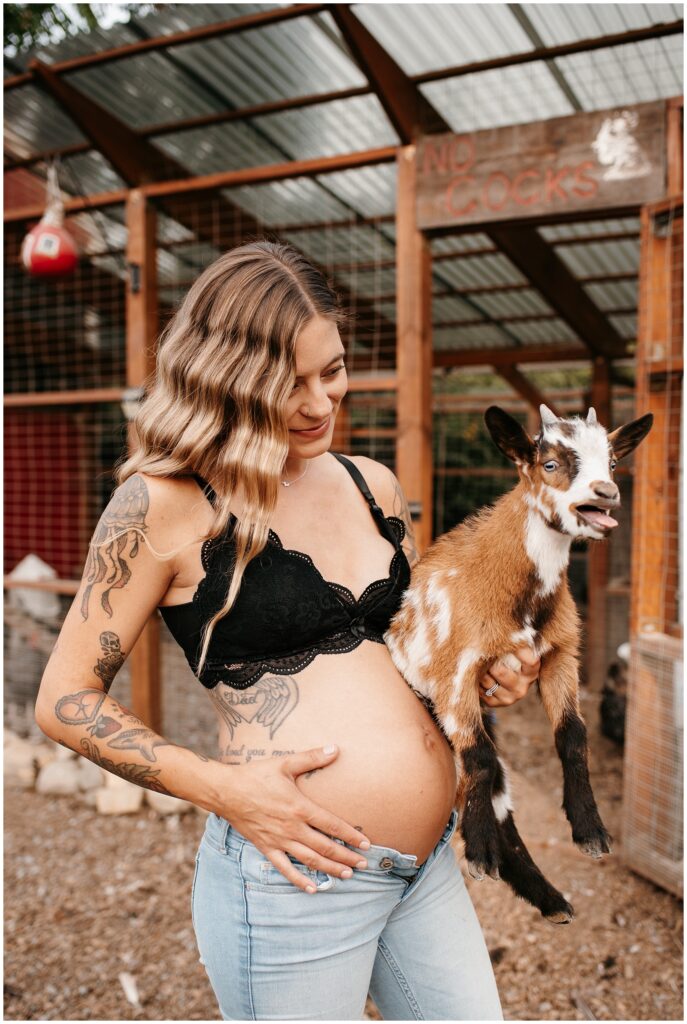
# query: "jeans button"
{"type": "Point", "coordinates": [386, 862]}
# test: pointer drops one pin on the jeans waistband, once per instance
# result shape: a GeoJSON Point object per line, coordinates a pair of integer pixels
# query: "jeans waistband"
{"type": "Point", "coordinates": [224, 837]}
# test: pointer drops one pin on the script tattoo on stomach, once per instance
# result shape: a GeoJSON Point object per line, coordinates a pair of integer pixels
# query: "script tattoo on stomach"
{"type": "Point", "coordinates": [268, 703]}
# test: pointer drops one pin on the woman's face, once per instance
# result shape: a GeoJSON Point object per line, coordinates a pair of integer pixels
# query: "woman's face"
{"type": "Point", "coordinates": [320, 385]}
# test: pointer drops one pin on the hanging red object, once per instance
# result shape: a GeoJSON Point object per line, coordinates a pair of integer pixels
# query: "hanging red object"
{"type": "Point", "coordinates": [49, 250]}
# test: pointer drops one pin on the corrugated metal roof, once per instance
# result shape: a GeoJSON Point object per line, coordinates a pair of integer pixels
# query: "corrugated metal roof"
{"type": "Point", "coordinates": [492, 99]}
{"type": "Point", "coordinates": [565, 23]}
{"type": "Point", "coordinates": [600, 258]}
{"type": "Point", "coordinates": [307, 55]}
{"type": "Point", "coordinates": [560, 232]}
{"type": "Point", "coordinates": [613, 295]}
{"type": "Point", "coordinates": [421, 37]}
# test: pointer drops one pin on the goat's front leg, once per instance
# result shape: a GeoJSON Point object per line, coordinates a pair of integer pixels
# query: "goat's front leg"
{"type": "Point", "coordinates": [558, 685]}
{"type": "Point", "coordinates": [458, 710]}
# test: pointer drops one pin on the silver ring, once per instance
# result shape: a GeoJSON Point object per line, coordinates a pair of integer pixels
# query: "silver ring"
{"type": "Point", "coordinates": [492, 690]}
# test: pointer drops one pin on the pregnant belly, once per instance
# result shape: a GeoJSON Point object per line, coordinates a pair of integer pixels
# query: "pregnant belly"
{"type": "Point", "coordinates": [394, 775]}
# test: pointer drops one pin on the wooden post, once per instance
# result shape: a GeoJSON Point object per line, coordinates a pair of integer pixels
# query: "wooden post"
{"type": "Point", "coordinates": [652, 803]}
{"type": "Point", "coordinates": [414, 462]}
{"type": "Point", "coordinates": [141, 335]}
{"type": "Point", "coordinates": [659, 390]}
{"type": "Point", "coordinates": [598, 553]}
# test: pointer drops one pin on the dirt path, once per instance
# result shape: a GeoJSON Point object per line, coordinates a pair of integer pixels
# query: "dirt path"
{"type": "Point", "coordinates": [89, 897]}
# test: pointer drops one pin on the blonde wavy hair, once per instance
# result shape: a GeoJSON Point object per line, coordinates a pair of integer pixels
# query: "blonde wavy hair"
{"type": "Point", "coordinates": [216, 403]}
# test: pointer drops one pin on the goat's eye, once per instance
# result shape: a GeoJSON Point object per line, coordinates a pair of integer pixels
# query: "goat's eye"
{"type": "Point", "coordinates": [613, 464]}
{"type": "Point", "coordinates": [550, 466]}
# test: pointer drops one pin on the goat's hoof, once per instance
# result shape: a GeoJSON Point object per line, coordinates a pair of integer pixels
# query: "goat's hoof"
{"type": "Point", "coordinates": [596, 846]}
{"type": "Point", "coordinates": [478, 870]}
{"type": "Point", "coordinates": [560, 916]}
{"type": "Point", "coordinates": [475, 870]}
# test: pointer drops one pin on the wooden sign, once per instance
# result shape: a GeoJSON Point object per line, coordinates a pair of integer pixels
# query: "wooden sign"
{"type": "Point", "coordinates": [608, 158]}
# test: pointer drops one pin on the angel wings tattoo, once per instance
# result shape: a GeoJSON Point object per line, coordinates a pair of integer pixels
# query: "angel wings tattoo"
{"type": "Point", "coordinates": [268, 702]}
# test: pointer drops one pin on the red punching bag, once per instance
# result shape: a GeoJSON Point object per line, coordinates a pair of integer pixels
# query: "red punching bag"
{"type": "Point", "coordinates": [49, 250]}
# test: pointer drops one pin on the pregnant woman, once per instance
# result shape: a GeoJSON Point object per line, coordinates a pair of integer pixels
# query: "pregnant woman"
{"type": "Point", "coordinates": [326, 868]}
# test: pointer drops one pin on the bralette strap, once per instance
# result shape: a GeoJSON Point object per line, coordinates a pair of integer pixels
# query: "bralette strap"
{"type": "Point", "coordinates": [375, 509]}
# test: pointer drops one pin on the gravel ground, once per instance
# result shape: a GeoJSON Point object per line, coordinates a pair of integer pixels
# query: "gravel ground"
{"type": "Point", "coordinates": [90, 898]}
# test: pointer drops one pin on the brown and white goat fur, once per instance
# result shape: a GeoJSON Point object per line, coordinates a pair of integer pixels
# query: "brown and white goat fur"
{"type": "Point", "coordinates": [499, 581]}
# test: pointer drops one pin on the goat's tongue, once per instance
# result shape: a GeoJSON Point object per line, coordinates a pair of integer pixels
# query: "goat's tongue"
{"type": "Point", "coordinates": [599, 518]}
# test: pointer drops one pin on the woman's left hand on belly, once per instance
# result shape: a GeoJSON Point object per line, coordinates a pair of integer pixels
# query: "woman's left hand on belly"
{"type": "Point", "coordinates": [513, 683]}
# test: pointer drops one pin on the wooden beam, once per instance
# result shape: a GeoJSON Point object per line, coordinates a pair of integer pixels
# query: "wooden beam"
{"type": "Point", "coordinates": [598, 554]}
{"type": "Point", "coordinates": [406, 107]}
{"type": "Point", "coordinates": [132, 157]}
{"type": "Point", "coordinates": [545, 270]}
{"type": "Point", "coordinates": [524, 318]}
{"type": "Point", "coordinates": [254, 110]}
{"type": "Point", "coordinates": [675, 146]}
{"type": "Point", "coordinates": [544, 53]}
{"type": "Point", "coordinates": [193, 35]}
{"type": "Point", "coordinates": [141, 334]}
{"type": "Point", "coordinates": [77, 204]}
{"type": "Point", "coordinates": [499, 357]}
{"type": "Point", "coordinates": [523, 386]}
{"type": "Point", "coordinates": [78, 397]}
{"type": "Point", "coordinates": [370, 382]}
{"type": "Point", "coordinates": [414, 461]}
{"type": "Point", "coordinates": [273, 172]}
{"type": "Point", "coordinates": [655, 513]}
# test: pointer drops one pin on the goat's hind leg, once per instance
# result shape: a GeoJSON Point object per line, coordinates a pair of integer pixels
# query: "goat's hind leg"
{"type": "Point", "coordinates": [517, 868]}
{"type": "Point", "coordinates": [477, 764]}
{"type": "Point", "coordinates": [558, 686]}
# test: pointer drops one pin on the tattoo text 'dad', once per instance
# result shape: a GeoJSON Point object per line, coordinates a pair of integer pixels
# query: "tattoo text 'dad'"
{"type": "Point", "coordinates": [269, 702]}
{"type": "Point", "coordinates": [121, 524]}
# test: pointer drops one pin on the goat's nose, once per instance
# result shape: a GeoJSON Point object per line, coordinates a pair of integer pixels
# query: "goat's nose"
{"type": "Point", "coordinates": [606, 489]}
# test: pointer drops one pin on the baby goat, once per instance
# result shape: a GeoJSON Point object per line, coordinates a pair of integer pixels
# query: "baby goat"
{"type": "Point", "coordinates": [497, 581]}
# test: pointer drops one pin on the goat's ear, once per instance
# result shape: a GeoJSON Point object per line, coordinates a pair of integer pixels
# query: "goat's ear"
{"type": "Point", "coordinates": [509, 436]}
{"type": "Point", "coordinates": [626, 438]}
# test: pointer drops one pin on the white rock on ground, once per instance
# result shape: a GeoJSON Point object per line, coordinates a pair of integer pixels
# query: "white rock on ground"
{"type": "Point", "coordinates": [64, 753]}
{"type": "Point", "coordinates": [113, 781]}
{"type": "Point", "coordinates": [19, 763]}
{"type": "Point", "coordinates": [89, 797]}
{"type": "Point", "coordinates": [45, 752]}
{"type": "Point", "coordinates": [90, 775]}
{"type": "Point", "coordinates": [125, 799]}
{"type": "Point", "coordinates": [164, 804]}
{"type": "Point", "coordinates": [59, 777]}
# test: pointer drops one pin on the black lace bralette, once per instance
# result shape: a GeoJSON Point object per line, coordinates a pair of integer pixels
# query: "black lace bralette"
{"type": "Point", "coordinates": [285, 613]}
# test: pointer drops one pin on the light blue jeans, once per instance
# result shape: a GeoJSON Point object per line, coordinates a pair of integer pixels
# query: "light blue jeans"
{"type": "Point", "coordinates": [409, 935]}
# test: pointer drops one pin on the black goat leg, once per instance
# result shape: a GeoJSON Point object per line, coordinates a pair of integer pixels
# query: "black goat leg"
{"type": "Point", "coordinates": [558, 685]}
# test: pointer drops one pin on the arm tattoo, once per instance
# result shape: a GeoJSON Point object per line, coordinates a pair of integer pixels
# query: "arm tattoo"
{"type": "Point", "coordinates": [400, 509]}
{"type": "Point", "coordinates": [113, 658]}
{"type": "Point", "coordinates": [122, 521]}
{"type": "Point", "coordinates": [104, 727]}
{"type": "Point", "coordinates": [139, 774]}
{"type": "Point", "coordinates": [268, 702]}
{"type": "Point", "coordinates": [143, 740]}
{"type": "Point", "coordinates": [79, 708]}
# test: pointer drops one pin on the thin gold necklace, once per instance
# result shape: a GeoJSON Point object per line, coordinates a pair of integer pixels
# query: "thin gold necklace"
{"type": "Point", "coordinates": [287, 483]}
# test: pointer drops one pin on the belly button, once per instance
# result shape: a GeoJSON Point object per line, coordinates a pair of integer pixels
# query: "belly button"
{"type": "Point", "coordinates": [430, 741]}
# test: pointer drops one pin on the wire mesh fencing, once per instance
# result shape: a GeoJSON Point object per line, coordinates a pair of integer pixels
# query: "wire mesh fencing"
{"type": "Point", "coordinates": [653, 797]}
{"type": "Point", "coordinates": [65, 367]}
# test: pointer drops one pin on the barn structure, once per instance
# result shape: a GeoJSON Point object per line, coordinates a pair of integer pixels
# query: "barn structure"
{"type": "Point", "coordinates": [496, 193]}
